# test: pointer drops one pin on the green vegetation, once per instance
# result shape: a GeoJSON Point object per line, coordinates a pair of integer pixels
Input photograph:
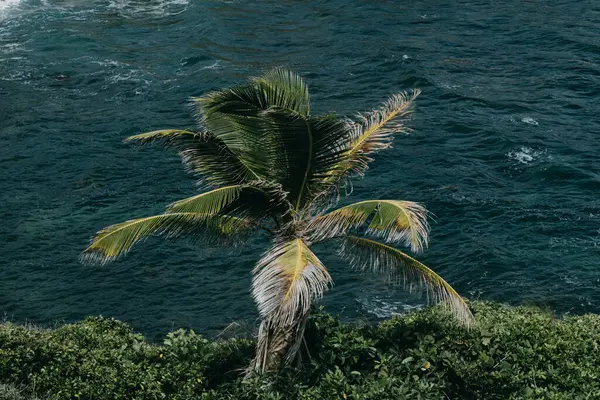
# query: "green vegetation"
{"type": "Point", "coordinates": [509, 353]}
{"type": "Point", "coordinates": [275, 168]}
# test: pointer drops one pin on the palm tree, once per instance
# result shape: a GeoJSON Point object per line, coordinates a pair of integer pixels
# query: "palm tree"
{"type": "Point", "coordinates": [273, 167]}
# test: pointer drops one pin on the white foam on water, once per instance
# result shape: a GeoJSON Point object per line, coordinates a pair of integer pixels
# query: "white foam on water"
{"type": "Point", "coordinates": [385, 308]}
{"type": "Point", "coordinates": [215, 65]}
{"type": "Point", "coordinates": [8, 4]}
{"type": "Point", "coordinates": [9, 48]}
{"type": "Point", "coordinates": [154, 8]}
{"type": "Point", "coordinates": [7, 7]}
{"type": "Point", "coordinates": [530, 121]}
{"type": "Point", "coordinates": [525, 155]}
{"type": "Point", "coordinates": [107, 63]}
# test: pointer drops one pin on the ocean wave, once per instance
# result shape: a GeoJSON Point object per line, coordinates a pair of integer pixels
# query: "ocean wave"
{"type": "Point", "coordinates": [525, 155]}
{"type": "Point", "coordinates": [8, 4]}
{"type": "Point", "coordinates": [155, 8]}
{"type": "Point", "coordinates": [529, 121]}
{"type": "Point", "coordinates": [385, 308]}
{"type": "Point", "coordinates": [524, 119]}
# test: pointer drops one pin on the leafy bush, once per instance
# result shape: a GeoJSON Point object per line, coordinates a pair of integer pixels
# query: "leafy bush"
{"type": "Point", "coordinates": [510, 353]}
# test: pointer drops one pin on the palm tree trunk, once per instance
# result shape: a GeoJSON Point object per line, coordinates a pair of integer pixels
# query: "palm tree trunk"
{"type": "Point", "coordinates": [278, 344]}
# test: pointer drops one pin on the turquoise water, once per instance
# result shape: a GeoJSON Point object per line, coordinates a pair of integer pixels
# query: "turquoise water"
{"type": "Point", "coordinates": [505, 150]}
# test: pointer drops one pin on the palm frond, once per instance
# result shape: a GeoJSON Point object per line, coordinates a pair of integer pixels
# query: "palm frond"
{"type": "Point", "coordinates": [210, 158]}
{"type": "Point", "coordinates": [278, 88]}
{"type": "Point", "coordinates": [286, 281]}
{"type": "Point", "coordinates": [246, 138]}
{"type": "Point", "coordinates": [306, 152]}
{"type": "Point", "coordinates": [393, 220]}
{"type": "Point", "coordinates": [284, 89]}
{"type": "Point", "coordinates": [238, 117]}
{"type": "Point", "coordinates": [208, 203]}
{"type": "Point", "coordinates": [202, 153]}
{"type": "Point", "coordinates": [331, 137]}
{"type": "Point", "coordinates": [168, 137]}
{"type": "Point", "coordinates": [245, 201]}
{"type": "Point", "coordinates": [117, 240]}
{"type": "Point", "coordinates": [369, 254]}
{"type": "Point", "coordinates": [375, 131]}
{"type": "Point", "coordinates": [378, 125]}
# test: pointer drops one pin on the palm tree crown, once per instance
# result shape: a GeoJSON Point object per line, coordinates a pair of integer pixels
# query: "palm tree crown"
{"type": "Point", "coordinates": [273, 166]}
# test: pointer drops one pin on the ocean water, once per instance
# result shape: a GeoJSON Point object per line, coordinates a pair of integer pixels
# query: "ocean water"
{"type": "Point", "coordinates": [505, 148]}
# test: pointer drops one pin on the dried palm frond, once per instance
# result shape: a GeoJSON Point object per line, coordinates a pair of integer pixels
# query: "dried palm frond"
{"type": "Point", "coordinates": [393, 220]}
{"type": "Point", "coordinates": [366, 254]}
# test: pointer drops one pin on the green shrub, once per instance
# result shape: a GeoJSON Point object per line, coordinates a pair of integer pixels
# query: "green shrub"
{"type": "Point", "coordinates": [510, 353]}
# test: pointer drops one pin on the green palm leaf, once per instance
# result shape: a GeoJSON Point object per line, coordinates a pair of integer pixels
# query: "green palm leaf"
{"type": "Point", "coordinates": [208, 203]}
{"type": "Point", "coordinates": [394, 220]}
{"type": "Point", "coordinates": [167, 136]}
{"type": "Point", "coordinates": [266, 124]}
{"type": "Point", "coordinates": [284, 89]}
{"type": "Point", "coordinates": [306, 152]}
{"type": "Point", "coordinates": [116, 240]}
{"type": "Point", "coordinates": [369, 254]}
{"type": "Point", "coordinates": [238, 200]}
{"type": "Point", "coordinates": [204, 154]}
{"type": "Point", "coordinates": [237, 116]}
{"type": "Point", "coordinates": [278, 88]}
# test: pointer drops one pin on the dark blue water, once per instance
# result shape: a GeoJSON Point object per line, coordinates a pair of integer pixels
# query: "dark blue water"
{"type": "Point", "coordinates": [505, 150]}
